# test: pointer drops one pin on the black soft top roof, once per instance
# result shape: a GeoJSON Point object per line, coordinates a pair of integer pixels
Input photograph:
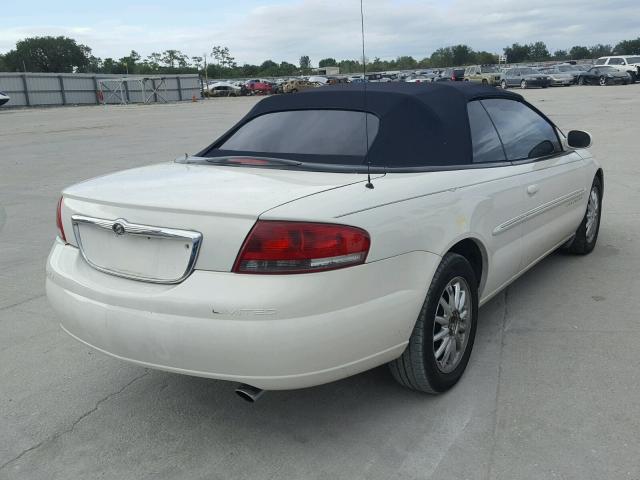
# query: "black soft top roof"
{"type": "Point", "coordinates": [420, 124]}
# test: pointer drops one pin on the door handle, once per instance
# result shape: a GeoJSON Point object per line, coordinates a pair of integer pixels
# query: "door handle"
{"type": "Point", "coordinates": [533, 189]}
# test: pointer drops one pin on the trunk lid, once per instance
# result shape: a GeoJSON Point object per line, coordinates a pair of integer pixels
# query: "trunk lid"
{"type": "Point", "coordinates": [155, 223]}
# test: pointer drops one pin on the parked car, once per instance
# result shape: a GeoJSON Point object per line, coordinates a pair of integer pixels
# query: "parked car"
{"type": "Point", "coordinates": [451, 74]}
{"type": "Point", "coordinates": [558, 78]}
{"type": "Point", "coordinates": [297, 85]}
{"type": "Point", "coordinates": [223, 89]}
{"type": "Point", "coordinates": [624, 63]}
{"type": "Point", "coordinates": [486, 74]}
{"type": "Point", "coordinates": [604, 75]}
{"type": "Point", "coordinates": [259, 87]}
{"type": "Point", "coordinates": [572, 69]}
{"type": "Point", "coordinates": [284, 255]}
{"type": "Point", "coordinates": [420, 78]}
{"type": "Point", "coordinates": [524, 78]}
{"type": "Point", "coordinates": [4, 98]}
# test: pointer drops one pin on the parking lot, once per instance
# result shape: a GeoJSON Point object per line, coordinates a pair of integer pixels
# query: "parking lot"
{"type": "Point", "coordinates": [552, 389]}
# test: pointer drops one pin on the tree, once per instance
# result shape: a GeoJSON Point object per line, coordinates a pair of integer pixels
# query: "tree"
{"type": "Point", "coordinates": [405, 63]}
{"type": "Point", "coordinates": [486, 58]}
{"type": "Point", "coordinates": [287, 68]}
{"type": "Point", "coordinates": [129, 64]}
{"type": "Point", "coordinates": [48, 54]}
{"type": "Point", "coordinates": [578, 52]}
{"type": "Point", "coordinates": [538, 52]}
{"type": "Point", "coordinates": [462, 55]}
{"type": "Point", "coordinates": [153, 61]}
{"type": "Point", "coordinates": [350, 66]}
{"type": "Point", "coordinates": [628, 47]}
{"type": "Point", "coordinates": [442, 57]}
{"type": "Point", "coordinates": [600, 50]}
{"type": "Point", "coordinates": [560, 55]}
{"type": "Point", "coordinates": [109, 65]}
{"type": "Point", "coordinates": [328, 62]}
{"type": "Point", "coordinates": [305, 62]}
{"type": "Point", "coordinates": [197, 62]}
{"type": "Point", "coordinates": [223, 57]}
{"type": "Point", "coordinates": [517, 53]}
{"type": "Point", "coordinates": [174, 58]}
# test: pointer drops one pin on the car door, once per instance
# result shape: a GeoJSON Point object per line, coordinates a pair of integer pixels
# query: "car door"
{"type": "Point", "coordinates": [553, 181]}
{"type": "Point", "coordinates": [503, 200]}
{"type": "Point", "coordinates": [514, 77]}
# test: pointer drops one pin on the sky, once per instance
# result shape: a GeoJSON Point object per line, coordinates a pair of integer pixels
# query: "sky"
{"type": "Point", "coordinates": [256, 30]}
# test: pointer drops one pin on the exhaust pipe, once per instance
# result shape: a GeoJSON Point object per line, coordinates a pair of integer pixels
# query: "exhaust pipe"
{"type": "Point", "coordinates": [248, 393]}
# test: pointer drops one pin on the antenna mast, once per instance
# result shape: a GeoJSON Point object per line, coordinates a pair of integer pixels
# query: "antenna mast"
{"type": "Point", "coordinates": [366, 116]}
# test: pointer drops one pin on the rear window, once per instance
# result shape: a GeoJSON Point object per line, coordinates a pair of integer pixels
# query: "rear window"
{"type": "Point", "coordinates": [307, 132]}
{"type": "Point", "coordinates": [633, 59]}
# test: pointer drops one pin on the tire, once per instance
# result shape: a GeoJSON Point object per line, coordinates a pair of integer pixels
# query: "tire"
{"type": "Point", "coordinates": [503, 84]}
{"type": "Point", "coordinates": [545, 86]}
{"type": "Point", "coordinates": [523, 84]}
{"type": "Point", "coordinates": [587, 234]}
{"type": "Point", "coordinates": [418, 368]}
{"type": "Point", "coordinates": [484, 81]}
{"type": "Point", "coordinates": [581, 81]}
{"type": "Point", "coordinates": [602, 81]}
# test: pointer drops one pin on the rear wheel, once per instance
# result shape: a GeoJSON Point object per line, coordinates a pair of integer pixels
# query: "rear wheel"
{"type": "Point", "coordinates": [484, 81]}
{"type": "Point", "coordinates": [580, 81]}
{"type": "Point", "coordinates": [523, 84]}
{"type": "Point", "coordinates": [587, 234]}
{"type": "Point", "coordinates": [442, 338]}
{"type": "Point", "coordinates": [602, 81]}
{"type": "Point", "coordinates": [503, 84]}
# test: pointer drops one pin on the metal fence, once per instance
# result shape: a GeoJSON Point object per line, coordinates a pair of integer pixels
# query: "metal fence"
{"type": "Point", "coordinates": [30, 89]}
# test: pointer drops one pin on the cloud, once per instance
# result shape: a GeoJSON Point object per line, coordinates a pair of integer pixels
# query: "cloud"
{"type": "Point", "coordinates": [322, 28]}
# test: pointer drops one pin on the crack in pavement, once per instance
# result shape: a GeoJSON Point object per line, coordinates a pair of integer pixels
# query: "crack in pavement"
{"type": "Point", "coordinates": [57, 435]}
{"type": "Point", "coordinates": [7, 307]}
{"type": "Point", "coordinates": [503, 328]}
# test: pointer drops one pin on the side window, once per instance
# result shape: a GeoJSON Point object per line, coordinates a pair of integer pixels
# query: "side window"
{"type": "Point", "coordinates": [600, 61]}
{"type": "Point", "coordinates": [524, 133]}
{"type": "Point", "coordinates": [616, 61]}
{"type": "Point", "coordinates": [484, 138]}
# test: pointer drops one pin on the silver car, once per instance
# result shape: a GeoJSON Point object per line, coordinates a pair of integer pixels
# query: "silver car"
{"type": "Point", "coordinates": [558, 77]}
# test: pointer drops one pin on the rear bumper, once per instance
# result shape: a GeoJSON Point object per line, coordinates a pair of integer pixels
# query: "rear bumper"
{"type": "Point", "coordinates": [273, 332]}
{"type": "Point", "coordinates": [560, 83]}
{"type": "Point", "coordinates": [538, 83]}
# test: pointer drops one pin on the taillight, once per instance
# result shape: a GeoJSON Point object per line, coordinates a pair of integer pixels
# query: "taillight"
{"type": "Point", "coordinates": [59, 221]}
{"type": "Point", "coordinates": [300, 247]}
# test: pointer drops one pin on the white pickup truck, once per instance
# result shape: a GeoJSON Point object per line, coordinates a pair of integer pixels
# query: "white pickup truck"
{"type": "Point", "coordinates": [624, 63]}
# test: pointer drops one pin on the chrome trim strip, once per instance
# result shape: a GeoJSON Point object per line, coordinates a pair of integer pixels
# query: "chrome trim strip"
{"type": "Point", "coordinates": [195, 238]}
{"type": "Point", "coordinates": [534, 212]}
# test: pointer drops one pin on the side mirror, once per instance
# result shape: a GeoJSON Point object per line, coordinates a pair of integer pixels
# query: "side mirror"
{"type": "Point", "coordinates": [578, 139]}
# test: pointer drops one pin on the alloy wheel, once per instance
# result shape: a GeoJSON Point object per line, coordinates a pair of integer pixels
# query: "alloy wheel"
{"type": "Point", "coordinates": [523, 84]}
{"type": "Point", "coordinates": [603, 81]}
{"type": "Point", "coordinates": [503, 84]}
{"type": "Point", "coordinates": [593, 214]}
{"type": "Point", "coordinates": [452, 324]}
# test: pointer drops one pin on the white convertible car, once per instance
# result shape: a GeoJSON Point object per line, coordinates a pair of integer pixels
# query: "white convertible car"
{"type": "Point", "coordinates": [270, 258]}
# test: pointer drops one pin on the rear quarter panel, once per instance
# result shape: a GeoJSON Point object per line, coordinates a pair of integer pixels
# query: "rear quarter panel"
{"type": "Point", "coordinates": [430, 212]}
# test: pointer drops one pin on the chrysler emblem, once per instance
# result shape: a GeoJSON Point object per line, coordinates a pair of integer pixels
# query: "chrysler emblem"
{"type": "Point", "coordinates": [118, 229]}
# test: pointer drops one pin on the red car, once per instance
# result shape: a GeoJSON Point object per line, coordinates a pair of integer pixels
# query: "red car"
{"type": "Point", "coordinates": [259, 87]}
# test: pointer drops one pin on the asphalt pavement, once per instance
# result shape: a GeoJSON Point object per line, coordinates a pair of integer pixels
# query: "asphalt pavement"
{"type": "Point", "coordinates": [552, 390]}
